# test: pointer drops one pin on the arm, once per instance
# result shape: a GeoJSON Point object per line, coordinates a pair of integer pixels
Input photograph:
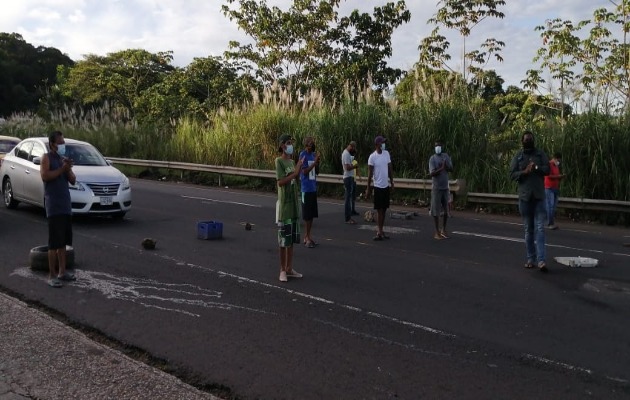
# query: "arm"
{"type": "Point", "coordinates": [390, 172]}
{"type": "Point", "coordinates": [48, 175]}
{"type": "Point", "coordinates": [368, 190]}
{"type": "Point", "coordinates": [282, 181]}
{"type": "Point", "coordinates": [434, 170]}
{"type": "Point", "coordinates": [448, 163]}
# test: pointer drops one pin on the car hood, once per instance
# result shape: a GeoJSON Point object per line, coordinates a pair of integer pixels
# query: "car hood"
{"type": "Point", "coordinates": [97, 174]}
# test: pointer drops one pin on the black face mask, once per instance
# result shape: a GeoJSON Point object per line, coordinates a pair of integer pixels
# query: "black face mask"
{"type": "Point", "coordinates": [528, 144]}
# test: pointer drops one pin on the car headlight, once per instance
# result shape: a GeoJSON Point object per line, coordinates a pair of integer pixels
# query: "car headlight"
{"type": "Point", "coordinates": [125, 184]}
{"type": "Point", "coordinates": [77, 186]}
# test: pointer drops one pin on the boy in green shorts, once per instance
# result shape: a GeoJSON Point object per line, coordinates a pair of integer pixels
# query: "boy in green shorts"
{"type": "Point", "coordinates": [287, 206]}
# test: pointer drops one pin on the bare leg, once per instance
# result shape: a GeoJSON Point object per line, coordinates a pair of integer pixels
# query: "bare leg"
{"type": "Point", "coordinates": [61, 257]}
{"type": "Point", "coordinates": [289, 260]}
{"type": "Point", "coordinates": [380, 220]}
{"type": "Point", "coordinates": [52, 264]}
{"type": "Point", "coordinates": [436, 221]}
{"type": "Point", "coordinates": [307, 235]}
{"type": "Point", "coordinates": [283, 259]}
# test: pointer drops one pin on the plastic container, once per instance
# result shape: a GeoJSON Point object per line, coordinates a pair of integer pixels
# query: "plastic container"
{"type": "Point", "coordinates": [209, 230]}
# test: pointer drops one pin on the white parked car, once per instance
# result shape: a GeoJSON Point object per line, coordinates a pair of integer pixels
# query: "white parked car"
{"type": "Point", "coordinates": [100, 188]}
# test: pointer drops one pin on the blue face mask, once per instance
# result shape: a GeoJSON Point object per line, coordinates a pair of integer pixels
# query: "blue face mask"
{"type": "Point", "coordinates": [61, 149]}
{"type": "Point", "coordinates": [383, 146]}
{"type": "Point", "coordinates": [289, 149]}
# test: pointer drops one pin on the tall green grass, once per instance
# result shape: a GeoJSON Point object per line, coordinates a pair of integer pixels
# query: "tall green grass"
{"type": "Point", "coordinates": [594, 146]}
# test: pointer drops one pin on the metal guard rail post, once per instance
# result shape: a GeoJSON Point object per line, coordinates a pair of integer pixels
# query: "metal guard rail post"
{"type": "Point", "coordinates": [456, 186]}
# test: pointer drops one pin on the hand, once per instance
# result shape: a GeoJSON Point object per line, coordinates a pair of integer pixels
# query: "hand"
{"type": "Point", "coordinates": [368, 193]}
{"type": "Point", "coordinates": [529, 167]}
{"type": "Point", "coordinates": [67, 164]}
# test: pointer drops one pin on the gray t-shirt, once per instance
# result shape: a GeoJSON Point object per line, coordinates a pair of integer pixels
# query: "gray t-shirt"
{"type": "Point", "coordinates": [440, 181]}
{"type": "Point", "coordinates": [347, 158]}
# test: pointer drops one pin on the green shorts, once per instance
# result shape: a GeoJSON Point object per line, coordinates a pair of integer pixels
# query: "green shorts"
{"type": "Point", "coordinates": [288, 233]}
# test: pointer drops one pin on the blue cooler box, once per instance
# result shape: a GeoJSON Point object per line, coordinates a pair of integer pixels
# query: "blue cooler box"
{"type": "Point", "coordinates": [209, 230]}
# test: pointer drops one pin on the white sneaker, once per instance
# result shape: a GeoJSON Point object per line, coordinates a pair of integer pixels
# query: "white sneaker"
{"type": "Point", "coordinates": [283, 276]}
{"type": "Point", "coordinates": [294, 274]}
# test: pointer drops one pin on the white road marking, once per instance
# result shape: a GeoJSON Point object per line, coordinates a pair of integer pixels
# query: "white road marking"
{"type": "Point", "coordinates": [510, 239]}
{"type": "Point", "coordinates": [222, 201]}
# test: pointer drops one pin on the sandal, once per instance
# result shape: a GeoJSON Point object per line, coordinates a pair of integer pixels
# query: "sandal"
{"type": "Point", "coordinates": [529, 264]}
{"type": "Point", "coordinates": [56, 283]}
{"type": "Point", "coordinates": [350, 221]}
{"type": "Point", "coordinates": [310, 244]}
{"type": "Point", "coordinates": [542, 266]}
{"type": "Point", "coordinates": [67, 276]}
{"type": "Point", "coordinates": [377, 237]}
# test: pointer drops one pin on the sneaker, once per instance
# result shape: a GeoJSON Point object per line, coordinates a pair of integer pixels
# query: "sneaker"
{"type": "Point", "coordinates": [437, 236]}
{"type": "Point", "coordinates": [283, 276]}
{"type": "Point", "coordinates": [293, 274]}
{"type": "Point", "coordinates": [553, 227]}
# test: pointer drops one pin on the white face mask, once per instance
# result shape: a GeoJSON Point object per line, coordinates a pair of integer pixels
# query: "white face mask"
{"type": "Point", "coordinates": [438, 149]}
{"type": "Point", "coordinates": [61, 149]}
{"type": "Point", "coordinates": [289, 149]}
{"type": "Point", "coordinates": [558, 163]}
{"type": "Point", "coordinates": [383, 147]}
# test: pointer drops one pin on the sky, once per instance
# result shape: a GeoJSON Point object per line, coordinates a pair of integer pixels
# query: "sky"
{"type": "Point", "coordinates": [198, 28]}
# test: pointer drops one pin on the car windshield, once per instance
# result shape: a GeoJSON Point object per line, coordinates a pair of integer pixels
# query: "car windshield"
{"type": "Point", "coordinates": [82, 154]}
{"type": "Point", "coordinates": [6, 146]}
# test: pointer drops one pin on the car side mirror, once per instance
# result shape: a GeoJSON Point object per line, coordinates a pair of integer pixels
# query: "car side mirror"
{"type": "Point", "coordinates": [37, 160]}
{"type": "Point", "coordinates": [109, 162]}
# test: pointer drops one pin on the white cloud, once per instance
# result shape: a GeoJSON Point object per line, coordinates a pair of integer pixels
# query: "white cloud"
{"type": "Point", "coordinates": [198, 28]}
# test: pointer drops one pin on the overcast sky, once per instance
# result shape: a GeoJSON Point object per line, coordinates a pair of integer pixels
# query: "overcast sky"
{"type": "Point", "coordinates": [198, 28]}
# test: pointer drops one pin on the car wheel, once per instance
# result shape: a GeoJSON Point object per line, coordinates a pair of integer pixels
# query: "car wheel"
{"type": "Point", "coordinates": [7, 190]}
{"type": "Point", "coordinates": [38, 258]}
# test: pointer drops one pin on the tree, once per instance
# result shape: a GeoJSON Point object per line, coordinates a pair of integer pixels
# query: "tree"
{"type": "Point", "coordinates": [26, 72]}
{"type": "Point", "coordinates": [198, 90]}
{"type": "Point", "coordinates": [462, 16]}
{"type": "Point", "coordinates": [599, 62]}
{"type": "Point", "coordinates": [119, 78]}
{"type": "Point", "coordinates": [309, 46]}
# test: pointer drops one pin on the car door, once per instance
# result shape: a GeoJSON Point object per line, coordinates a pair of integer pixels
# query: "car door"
{"type": "Point", "coordinates": [33, 184]}
{"type": "Point", "coordinates": [18, 167]}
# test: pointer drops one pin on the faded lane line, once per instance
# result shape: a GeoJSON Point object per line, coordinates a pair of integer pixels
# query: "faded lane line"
{"type": "Point", "coordinates": [509, 239]}
{"type": "Point", "coordinates": [222, 201]}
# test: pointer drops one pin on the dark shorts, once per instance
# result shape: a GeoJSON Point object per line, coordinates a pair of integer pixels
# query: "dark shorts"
{"type": "Point", "coordinates": [288, 233]}
{"type": "Point", "coordinates": [59, 231]}
{"type": "Point", "coordinates": [309, 206]}
{"type": "Point", "coordinates": [381, 198]}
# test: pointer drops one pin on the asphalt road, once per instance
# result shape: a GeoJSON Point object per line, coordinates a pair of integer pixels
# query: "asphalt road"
{"type": "Point", "coordinates": [405, 318]}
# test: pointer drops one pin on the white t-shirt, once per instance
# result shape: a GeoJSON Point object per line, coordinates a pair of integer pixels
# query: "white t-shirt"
{"type": "Point", "coordinates": [380, 162]}
{"type": "Point", "coordinates": [346, 159]}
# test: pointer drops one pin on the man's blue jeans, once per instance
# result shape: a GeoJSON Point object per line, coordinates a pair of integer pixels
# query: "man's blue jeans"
{"type": "Point", "coordinates": [534, 213]}
{"type": "Point", "coordinates": [350, 189]}
{"type": "Point", "coordinates": [552, 202]}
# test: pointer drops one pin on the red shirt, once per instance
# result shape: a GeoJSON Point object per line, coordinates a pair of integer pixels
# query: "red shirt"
{"type": "Point", "coordinates": [552, 183]}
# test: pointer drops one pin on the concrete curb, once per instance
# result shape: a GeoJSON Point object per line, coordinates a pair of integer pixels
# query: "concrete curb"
{"type": "Point", "coordinates": [42, 358]}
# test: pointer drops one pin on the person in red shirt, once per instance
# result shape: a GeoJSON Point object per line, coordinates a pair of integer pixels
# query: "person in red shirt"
{"type": "Point", "coordinates": [552, 189]}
